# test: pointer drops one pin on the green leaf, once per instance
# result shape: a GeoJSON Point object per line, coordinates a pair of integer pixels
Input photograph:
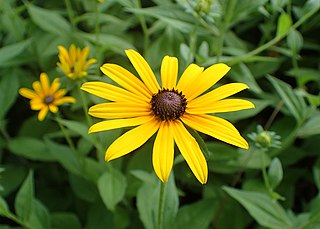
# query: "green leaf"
{"type": "Point", "coordinates": [310, 127]}
{"type": "Point", "coordinates": [284, 24]}
{"type": "Point", "coordinates": [65, 156]}
{"type": "Point", "coordinates": [83, 188]}
{"type": "Point", "coordinates": [24, 198]}
{"type": "Point", "coordinates": [39, 218]}
{"type": "Point", "coordinates": [148, 203]}
{"type": "Point", "coordinates": [293, 102]}
{"type": "Point", "coordinates": [197, 215]}
{"type": "Point", "coordinates": [9, 85]}
{"type": "Point", "coordinates": [77, 127]}
{"type": "Point", "coordinates": [12, 176]}
{"type": "Point", "coordinates": [241, 73]}
{"type": "Point", "coordinates": [112, 186]}
{"type": "Point", "coordinates": [4, 209]}
{"type": "Point", "coordinates": [304, 75]}
{"type": "Point", "coordinates": [63, 220]}
{"type": "Point", "coordinates": [262, 208]}
{"type": "Point", "coordinates": [48, 20]}
{"type": "Point", "coordinates": [9, 52]}
{"type": "Point", "coordinates": [295, 41]}
{"type": "Point", "coordinates": [30, 148]}
{"type": "Point", "coordinates": [275, 172]}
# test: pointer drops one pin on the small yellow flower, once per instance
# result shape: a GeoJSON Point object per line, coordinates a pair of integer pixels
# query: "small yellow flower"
{"type": "Point", "coordinates": [74, 62]}
{"type": "Point", "coordinates": [166, 110]}
{"type": "Point", "coordinates": [46, 97]}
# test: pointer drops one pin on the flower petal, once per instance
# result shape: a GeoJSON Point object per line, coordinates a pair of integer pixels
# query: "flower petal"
{"type": "Point", "coordinates": [38, 89]}
{"type": "Point", "coordinates": [112, 93]}
{"type": "Point", "coordinates": [126, 80]}
{"type": "Point", "coordinates": [53, 108]}
{"type": "Point", "coordinates": [54, 86]}
{"type": "Point", "coordinates": [169, 72]}
{"type": "Point", "coordinates": [131, 140]}
{"type": "Point", "coordinates": [45, 84]}
{"type": "Point", "coordinates": [37, 104]}
{"type": "Point", "coordinates": [188, 76]}
{"type": "Point", "coordinates": [217, 94]}
{"type": "Point", "coordinates": [191, 152]}
{"type": "Point", "coordinates": [220, 106]}
{"type": "Point", "coordinates": [119, 123]}
{"type": "Point", "coordinates": [144, 70]}
{"type": "Point", "coordinates": [119, 110]}
{"type": "Point", "coordinates": [205, 80]}
{"type": "Point", "coordinates": [43, 112]}
{"type": "Point", "coordinates": [66, 99]}
{"type": "Point", "coordinates": [163, 152]}
{"type": "Point", "coordinates": [25, 92]}
{"type": "Point", "coordinates": [215, 127]}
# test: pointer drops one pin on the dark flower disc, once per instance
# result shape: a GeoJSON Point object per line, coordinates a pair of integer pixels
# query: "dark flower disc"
{"type": "Point", "coordinates": [168, 104]}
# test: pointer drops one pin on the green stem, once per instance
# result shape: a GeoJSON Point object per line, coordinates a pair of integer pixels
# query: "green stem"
{"type": "Point", "coordinates": [66, 135]}
{"type": "Point", "coordinates": [274, 40]}
{"type": "Point", "coordinates": [161, 205]}
{"type": "Point", "coordinates": [264, 174]}
{"type": "Point", "coordinates": [70, 14]}
{"type": "Point", "coordinates": [84, 103]}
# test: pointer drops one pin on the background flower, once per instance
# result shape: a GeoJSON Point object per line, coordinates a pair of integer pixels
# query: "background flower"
{"type": "Point", "coordinates": [73, 62]}
{"type": "Point", "coordinates": [46, 97]}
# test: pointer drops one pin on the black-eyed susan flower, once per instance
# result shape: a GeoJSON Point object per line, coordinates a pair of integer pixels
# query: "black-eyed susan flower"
{"type": "Point", "coordinates": [46, 97]}
{"type": "Point", "coordinates": [166, 110]}
{"type": "Point", "coordinates": [73, 62]}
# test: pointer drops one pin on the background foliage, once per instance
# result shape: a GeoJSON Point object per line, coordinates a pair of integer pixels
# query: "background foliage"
{"type": "Point", "coordinates": [273, 46]}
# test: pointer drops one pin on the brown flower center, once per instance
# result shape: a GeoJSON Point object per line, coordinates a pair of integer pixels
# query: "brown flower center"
{"type": "Point", "coordinates": [168, 104]}
{"type": "Point", "coordinates": [48, 99]}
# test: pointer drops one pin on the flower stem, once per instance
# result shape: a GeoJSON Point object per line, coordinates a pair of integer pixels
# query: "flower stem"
{"type": "Point", "coordinates": [89, 120]}
{"type": "Point", "coordinates": [65, 133]}
{"type": "Point", "coordinates": [161, 206]}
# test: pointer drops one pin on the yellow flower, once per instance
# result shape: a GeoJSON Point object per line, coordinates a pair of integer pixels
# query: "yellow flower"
{"type": "Point", "coordinates": [46, 97]}
{"type": "Point", "coordinates": [74, 62]}
{"type": "Point", "coordinates": [166, 110]}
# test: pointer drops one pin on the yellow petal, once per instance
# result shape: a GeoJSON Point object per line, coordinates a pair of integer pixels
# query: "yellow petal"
{"type": "Point", "coordinates": [119, 110]}
{"type": "Point", "coordinates": [215, 127]}
{"type": "Point", "coordinates": [111, 92]}
{"type": "Point", "coordinates": [36, 104]}
{"type": "Point", "coordinates": [191, 152]}
{"type": "Point", "coordinates": [126, 80]}
{"type": "Point", "coordinates": [169, 72]}
{"type": "Point", "coordinates": [37, 88]}
{"type": "Point", "coordinates": [163, 152]}
{"type": "Point", "coordinates": [119, 123]}
{"type": "Point", "coordinates": [144, 70]}
{"type": "Point", "coordinates": [131, 140]}
{"type": "Point", "coordinates": [60, 93]}
{"type": "Point", "coordinates": [226, 105]}
{"type": "Point", "coordinates": [53, 108]}
{"type": "Point", "coordinates": [63, 54]}
{"type": "Point", "coordinates": [45, 84]}
{"type": "Point", "coordinates": [43, 112]}
{"type": "Point", "coordinates": [25, 92]}
{"type": "Point", "coordinates": [66, 99]}
{"type": "Point", "coordinates": [72, 53]}
{"type": "Point", "coordinates": [217, 94]}
{"type": "Point", "coordinates": [205, 80]}
{"type": "Point", "coordinates": [54, 86]}
{"type": "Point", "coordinates": [188, 76]}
